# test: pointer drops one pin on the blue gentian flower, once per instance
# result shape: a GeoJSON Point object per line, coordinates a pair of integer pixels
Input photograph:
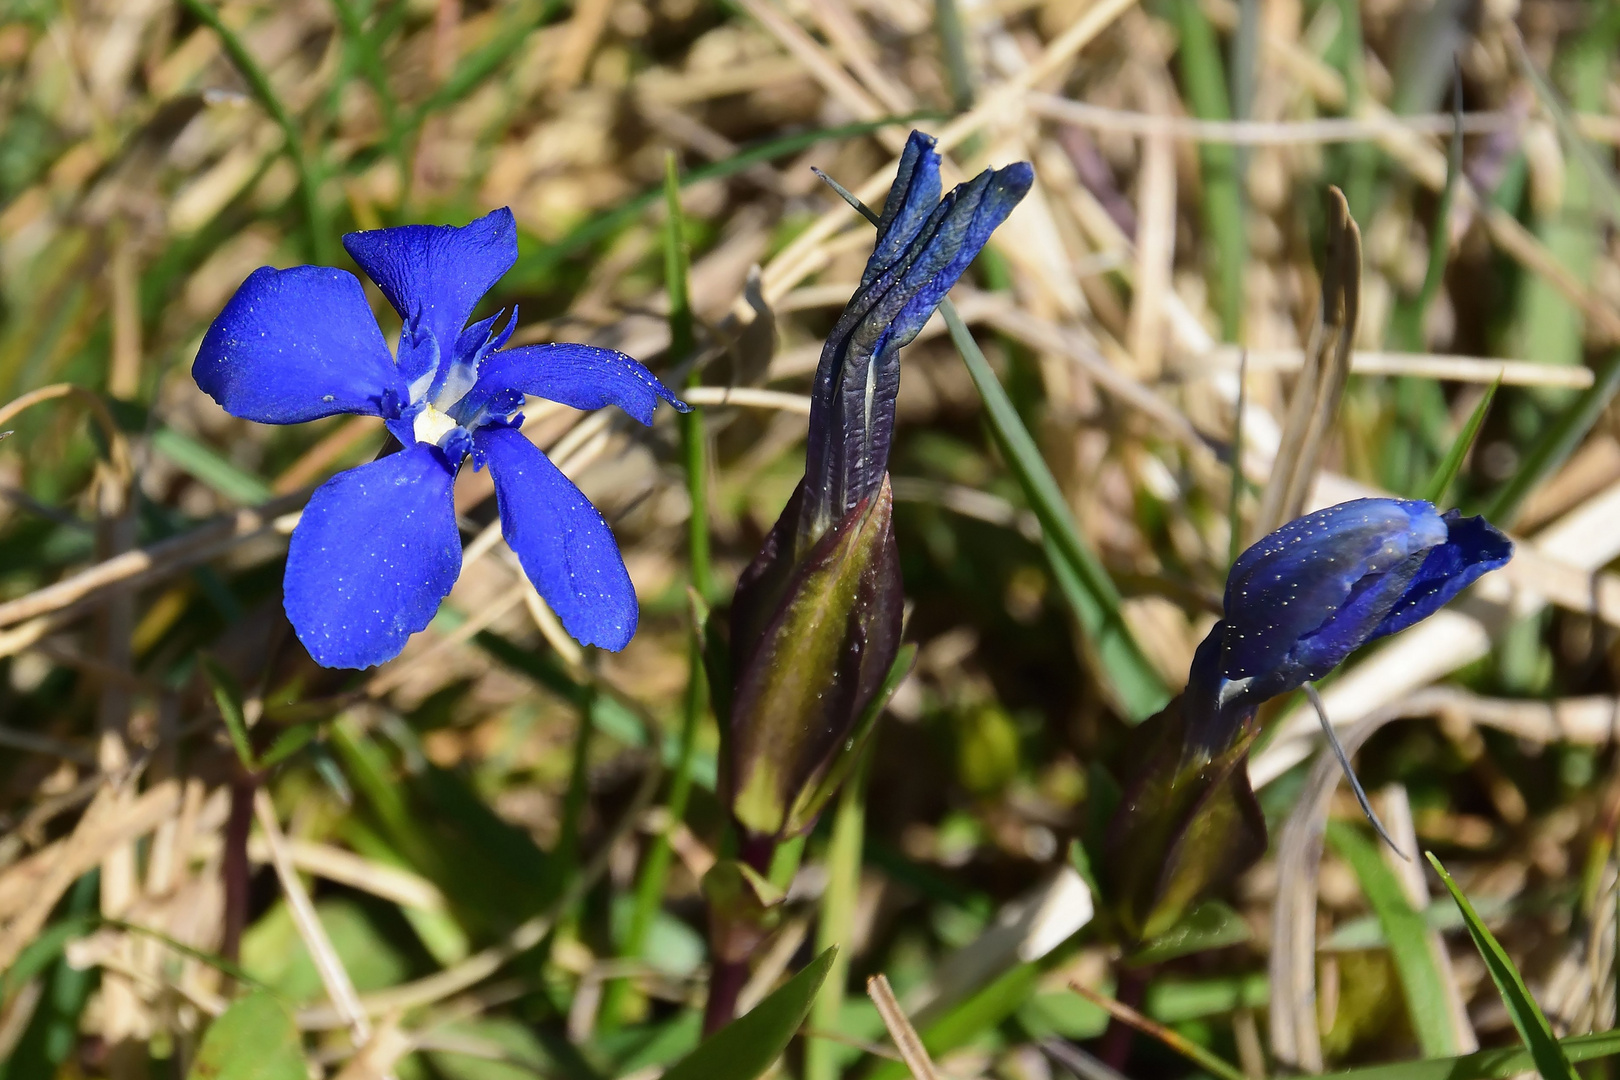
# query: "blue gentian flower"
{"type": "Point", "coordinates": [924, 244]}
{"type": "Point", "coordinates": [377, 548]}
{"type": "Point", "coordinates": [1302, 599]}
{"type": "Point", "coordinates": [1298, 603]}
{"type": "Point", "coordinates": [816, 619]}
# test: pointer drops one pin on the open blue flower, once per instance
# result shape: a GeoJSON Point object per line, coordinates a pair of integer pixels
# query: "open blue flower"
{"type": "Point", "coordinates": [377, 549]}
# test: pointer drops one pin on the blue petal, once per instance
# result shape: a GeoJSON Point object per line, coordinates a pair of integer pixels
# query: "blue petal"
{"type": "Point", "coordinates": [371, 559]}
{"type": "Point", "coordinates": [580, 376]}
{"type": "Point", "coordinates": [1294, 582]}
{"type": "Point", "coordinates": [1472, 549]}
{"type": "Point", "coordinates": [858, 378]}
{"type": "Point", "coordinates": [565, 547]}
{"type": "Point", "coordinates": [912, 198]}
{"type": "Point", "coordinates": [296, 345]}
{"type": "Point", "coordinates": [434, 275]}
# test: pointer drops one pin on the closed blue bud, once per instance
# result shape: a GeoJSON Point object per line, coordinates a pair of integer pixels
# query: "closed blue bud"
{"type": "Point", "coordinates": [377, 548]}
{"type": "Point", "coordinates": [1304, 598]}
{"type": "Point", "coordinates": [1298, 603]}
{"type": "Point", "coordinates": [815, 622]}
{"type": "Point", "coordinates": [924, 244]}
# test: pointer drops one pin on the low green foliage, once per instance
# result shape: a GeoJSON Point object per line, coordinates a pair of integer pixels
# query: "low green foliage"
{"type": "Point", "coordinates": [254, 1039]}
{"type": "Point", "coordinates": [745, 1048]}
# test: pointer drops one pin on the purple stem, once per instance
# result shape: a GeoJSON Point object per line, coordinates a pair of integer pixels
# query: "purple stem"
{"type": "Point", "coordinates": [1115, 1051]}
{"type": "Point", "coordinates": [728, 977]}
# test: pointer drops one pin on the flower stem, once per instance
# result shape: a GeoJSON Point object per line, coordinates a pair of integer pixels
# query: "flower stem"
{"type": "Point", "coordinates": [727, 977]}
{"type": "Point", "coordinates": [1115, 1050]}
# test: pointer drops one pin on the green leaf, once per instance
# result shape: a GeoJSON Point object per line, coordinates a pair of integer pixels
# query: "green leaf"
{"type": "Point", "coordinates": [254, 1039]}
{"type": "Point", "coordinates": [1210, 925]}
{"type": "Point", "coordinates": [746, 1047]}
{"type": "Point", "coordinates": [1490, 1064]}
{"type": "Point", "coordinates": [41, 952]}
{"type": "Point", "coordinates": [1408, 937]}
{"type": "Point", "coordinates": [1560, 440]}
{"type": "Point", "coordinates": [1087, 586]}
{"type": "Point", "coordinates": [228, 696]}
{"type": "Point", "coordinates": [1446, 472]}
{"type": "Point", "coordinates": [1549, 1057]}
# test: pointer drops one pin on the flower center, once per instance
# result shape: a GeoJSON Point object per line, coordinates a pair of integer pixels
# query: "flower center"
{"type": "Point", "coordinates": [431, 425]}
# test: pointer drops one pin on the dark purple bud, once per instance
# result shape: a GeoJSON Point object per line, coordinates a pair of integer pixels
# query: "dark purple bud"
{"type": "Point", "coordinates": [812, 642]}
{"type": "Point", "coordinates": [924, 244]}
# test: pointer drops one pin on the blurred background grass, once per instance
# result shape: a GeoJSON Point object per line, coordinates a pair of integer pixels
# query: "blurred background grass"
{"type": "Point", "coordinates": [153, 153]}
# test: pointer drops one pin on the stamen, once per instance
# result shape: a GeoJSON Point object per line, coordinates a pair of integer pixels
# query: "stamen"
{"type": "Point", "coordinates": [1349, 772]}
{"type": "Point", "coordinates": [431, 425]}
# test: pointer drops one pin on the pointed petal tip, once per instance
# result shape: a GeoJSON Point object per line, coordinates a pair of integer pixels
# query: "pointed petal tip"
{"type": "Point", "coordinates": [562, 542]}
{"type": "Point", "coordinates": [1015, 179]}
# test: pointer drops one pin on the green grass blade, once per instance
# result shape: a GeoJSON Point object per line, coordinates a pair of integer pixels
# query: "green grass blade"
{"type": "Point", "coordinates": [1445, 474]}
{"type": "Point", "coordinates": [1489, 1064]}
{"type": "Point", "coordinates": [1204, 83]}
{"type": "Point", "coordinates": [205, 465]}
{"type": "Point", "coordinates": [843, 864]}
{"type": "Point", "coordinates": [1586, 65]}
{"type": "Point", "coordinates": [1555, 446]}
{"type": "Point", "coordinates": [1408, 935]}
{"type": "Point", "coordinates": [228, 696]}
{"type": "Point", "coordinates": [521, 21]}
{"type": "Point", "coordinates": [321, 239]}
{"type": "Point", "coordinates": [746, 1047]}
{"type": "Point", "coordinates": [649, 894]}
{"type": "Point", "coordinates": [953, 43]}
{"type": "Point", "coordinates": [682, 341]}
{"type": "Point", "coordinates": [1549, 1057]}
{"type": "Point", "coordinates": [1096, 601]}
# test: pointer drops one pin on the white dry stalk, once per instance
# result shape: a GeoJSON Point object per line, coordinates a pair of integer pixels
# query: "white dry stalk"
{"type": "Point", "coordinates": [807, 253]}
{"type": "Point", "coordinates": [30, 889]}
{"type": "Point", "coordinates": [1443, 367]}
{"type": "Point", "coordinates": [749, 396]}
{"type": "Point", "coordinates": [334, 977]}
{"type": "Point", "coordinates": [905, 1037]}
{"type": "Point", "coordinates": [1294, 132]}
{"type": "Point", "coordinates": [545, 620]}
{"type": "Point", "coordinates": [382, 1051]}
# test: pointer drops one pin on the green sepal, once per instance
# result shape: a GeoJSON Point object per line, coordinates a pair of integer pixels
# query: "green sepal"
{"type": "Point", "coordinates": [1188, 822]}
{"type": "Point", "coordinates": [813, 798]}
{"type": "Point", "coordinates": [813, 641]}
